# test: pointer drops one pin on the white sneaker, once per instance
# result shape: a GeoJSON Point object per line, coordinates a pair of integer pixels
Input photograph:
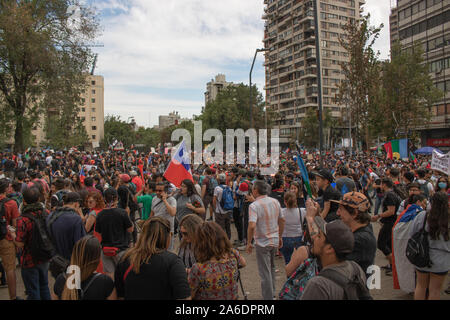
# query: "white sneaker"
{"type": "Point", "coordinates": [242, 248]}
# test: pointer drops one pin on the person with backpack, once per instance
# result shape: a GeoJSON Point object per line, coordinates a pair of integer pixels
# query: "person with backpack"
{"type": "Point", "coordinates": [93, 285]}
{"type": "Point", "coordinates": [425, 186]}
{"type": "Point", "coordinates": [65, 226]}
{"type": "Point", "coordinates": [223, 204]}
{"type": "Point", "coordinates": [57, 198]}
{"type": "Point", "coordinates": [339, 278]}
{"type": "Point", "coordinates": [31, 235]}
{"type": "Point", "coordinates": [435, 224]}
{"type": "Point", "coordinates": [391, 203]}
{"type": "Point", "coordinates": [8, 218]}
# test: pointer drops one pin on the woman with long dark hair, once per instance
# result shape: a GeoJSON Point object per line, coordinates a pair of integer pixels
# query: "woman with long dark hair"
{"type": "Point", "coordinates": [93, 286]}
{"type": "Point", "coordinates": [437, 226]}
{"type": "Point", "coordinates": [297, 189]}
{"type": "Point", "coordinates": [188, 201]}
{"type": "Point", "coordinates": [188, 227]}
{"type": "Point", "coordinates": [148, 271]}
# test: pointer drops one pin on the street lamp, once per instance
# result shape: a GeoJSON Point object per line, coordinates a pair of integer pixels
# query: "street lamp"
{"type": "Point", "coordinates": [250, 80]}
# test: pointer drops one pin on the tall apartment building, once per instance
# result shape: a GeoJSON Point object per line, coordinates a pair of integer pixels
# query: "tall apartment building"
{"type": "Point", "coordinates": [291, 67]}
{"type": "Point", "coordinates": [92, 112]}
{"type": "Point", "coordinates": [215, 86]}
{"type": "Point", "coordinates": [428, 22]}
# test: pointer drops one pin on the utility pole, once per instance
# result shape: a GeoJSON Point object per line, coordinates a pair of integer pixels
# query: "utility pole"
{"type": "Point", "coordinates": [319, 77]}
{"type": "Point", "coordinates": [250, 84]}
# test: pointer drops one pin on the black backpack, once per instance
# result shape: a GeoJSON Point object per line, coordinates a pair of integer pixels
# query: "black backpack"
{"type": "Point", "coordinates": [41, 245]}
{"type": "Point", "coordinates": [59, 197]}
{"type": "Point", "coordinates": [400, 191]}
{"type": "Point", "coordinates": [353, 288]}
{"type": "Point", "coordinates": [3, 222]}
{"type": "Point", "coordinates": [418, 248]}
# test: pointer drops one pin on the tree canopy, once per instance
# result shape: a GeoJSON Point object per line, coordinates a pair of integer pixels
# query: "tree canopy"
{"type": "Point", "coordinates": [44, 61]}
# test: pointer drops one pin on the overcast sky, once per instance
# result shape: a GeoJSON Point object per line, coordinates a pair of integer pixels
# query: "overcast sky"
{"type": "Point", "coordinates": [159, 55]}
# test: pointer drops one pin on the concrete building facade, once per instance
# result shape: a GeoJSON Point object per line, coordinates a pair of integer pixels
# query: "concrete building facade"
{"type": "Point", "coordinates": [215, 86]}
{"type": "Point", "coordinates": [92, 112]}
{"type": "Point", "coordinates": [291, 62]}
{"type": "Point", "coordinates": [166, 121]}
{"type": "Point", "coordinates": [428, 22]}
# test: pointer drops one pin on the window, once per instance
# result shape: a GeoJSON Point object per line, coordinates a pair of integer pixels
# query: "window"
{"type": "Point", "coordinates": [83, 119]}
{"type": "Point", "coordinates": [93, 100]}
{"type": "Point", "coordinates": [94, 128]}
{"type": "Point", "coordinates": [93, 119]}
{"type": "Point", "coordinates": [83, 100]}
{"type": "Point", "coordinates": [83, 109]}
{"type": "Point", "coordinates": [93, 91]}
{"type": "Point", "coordinates": [93, 136]}
{"type": "Point", "coordinates": [93, 82]}
{"type": "Point", "coordinates": [93, 109]}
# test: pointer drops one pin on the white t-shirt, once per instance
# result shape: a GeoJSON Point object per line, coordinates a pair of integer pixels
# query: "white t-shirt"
{"type": "Point", "coordinates": [292, 222]}
{"type": "Point", "coordinates": [218, 194]}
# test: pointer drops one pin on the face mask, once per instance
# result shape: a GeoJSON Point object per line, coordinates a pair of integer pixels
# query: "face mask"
{"type": "Point", "coordinates": [442, 185]}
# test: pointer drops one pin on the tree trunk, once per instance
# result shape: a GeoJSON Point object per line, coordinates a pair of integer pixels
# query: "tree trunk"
{"type": "Point", "coordinates": [18, 135]}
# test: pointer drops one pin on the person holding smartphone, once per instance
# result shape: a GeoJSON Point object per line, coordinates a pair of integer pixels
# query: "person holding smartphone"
{"type": "Point", "coordinates": [164, 206]}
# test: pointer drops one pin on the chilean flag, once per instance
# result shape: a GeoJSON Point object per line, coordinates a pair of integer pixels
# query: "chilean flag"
{"type": "Point", "coordinates": [179, 168]}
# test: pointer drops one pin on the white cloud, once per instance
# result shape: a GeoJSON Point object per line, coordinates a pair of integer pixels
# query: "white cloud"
{"type": "Point", "coordinates": [379, 13]}
{"type": "Point", "coordinates": [174, 44]}
{"type": "Point", "coordinates": [182, 44]}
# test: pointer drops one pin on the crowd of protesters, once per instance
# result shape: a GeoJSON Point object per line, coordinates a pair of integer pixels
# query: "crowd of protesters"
{"type": "Point", "coordinates": [135, 235]}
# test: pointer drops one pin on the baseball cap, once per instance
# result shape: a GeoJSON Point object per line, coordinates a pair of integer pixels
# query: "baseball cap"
{"type": "Point", "coordinates": [339, 235]}
{"type": "Point", "coordinates": [133, 173]}
{"type": "Point", "coordinates": [325, 174]}
{"type": "Point", "coordinates": [355, 200]}
{"type": "Point", "coordinates": [124, 177]}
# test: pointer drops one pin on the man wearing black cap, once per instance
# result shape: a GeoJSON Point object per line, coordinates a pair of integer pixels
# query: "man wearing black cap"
{"type": "Point", "coordinates": [324, 178]}
{"type": "Point", "coordinates": [332, 242]}
{"type": "Point", "coordinates": [66, 226]}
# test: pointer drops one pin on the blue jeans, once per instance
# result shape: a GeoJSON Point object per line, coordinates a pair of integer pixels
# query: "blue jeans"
{"type": "Point", "coordinates": [289, 244]}
{"type": "Point", "coordinates": [36, 282]}
{"type": "Point", "coordinates": [378, 202]}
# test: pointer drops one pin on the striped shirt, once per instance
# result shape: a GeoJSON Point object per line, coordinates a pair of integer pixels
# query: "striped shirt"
{"type": "Point", "coordinates": [265, 212]}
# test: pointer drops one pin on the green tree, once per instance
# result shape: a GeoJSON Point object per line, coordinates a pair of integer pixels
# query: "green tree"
{"type": "Point", "coordinates": [408, 90]}
{"type": "Point", "coordinates": [43, 59]}
{"type": "Point", "coordinates": [362, 73]}
{"type": "Point", "coordinates": [231, 110]}
{"type": "Point", "coordinates": [309, 130]}
{"type": "Point", "coordinates": [117, 129]}
{"type": "Point", "coordinates": [148, 137]}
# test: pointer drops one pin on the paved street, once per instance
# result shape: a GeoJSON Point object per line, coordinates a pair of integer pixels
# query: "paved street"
{"type": "Point", "coordinates": [251, 280]}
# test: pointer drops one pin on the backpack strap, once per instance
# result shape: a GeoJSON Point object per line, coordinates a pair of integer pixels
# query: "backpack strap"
{"type": "Point", "coordinates": [343, 281]}
{"type": "Point", "coordinates": [53, 218]}
{"type": "Point", "coordinates": [2, 206]}
{"type": "Point", "coordinates": [127, 272]}
{"type": "Point", "coordinates": [96, 275]}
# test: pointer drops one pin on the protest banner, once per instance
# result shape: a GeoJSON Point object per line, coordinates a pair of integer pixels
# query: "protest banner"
{"type": "Point", "coordinates": [441, 162]}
